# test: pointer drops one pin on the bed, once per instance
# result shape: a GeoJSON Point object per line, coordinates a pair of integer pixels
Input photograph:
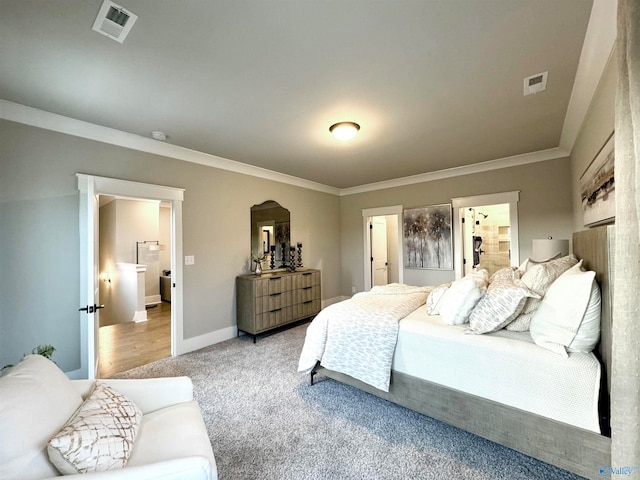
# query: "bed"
{"type": "Point", "coordinates": [547, 406]}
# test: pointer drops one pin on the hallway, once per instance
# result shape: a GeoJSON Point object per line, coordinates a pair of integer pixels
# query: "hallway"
{"type": "Point", "coordinates": [127, 345]}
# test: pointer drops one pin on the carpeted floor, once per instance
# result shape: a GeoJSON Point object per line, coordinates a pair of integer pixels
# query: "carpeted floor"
{"type": "Point", "coordinates": [266, 422]}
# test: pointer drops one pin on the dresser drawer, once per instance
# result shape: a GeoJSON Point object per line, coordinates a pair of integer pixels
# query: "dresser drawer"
{"type": "Point", "coordinates": [272, 319]}
{"type": "Point", "coordinates": [274, 284]}
{"type": "Point", "coordinates": [305, 294]}
{"type": "Point", "coordinates": [306, 309]}
{"type": "Point", "coordinates": [274, 301]}
{"type": "Point", "coordinates": [306, 279]}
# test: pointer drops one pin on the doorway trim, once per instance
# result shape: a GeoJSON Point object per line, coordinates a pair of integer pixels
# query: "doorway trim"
{"type": "Point", "coordinates": [91, 186]}
{"type": "Point", "coordinates": [511, 198]}
{"type": "Point", "coordinates": [367, 213]}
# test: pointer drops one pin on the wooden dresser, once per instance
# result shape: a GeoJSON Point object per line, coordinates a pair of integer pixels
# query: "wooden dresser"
{"type": "Point", "coordinates": [274, 299]}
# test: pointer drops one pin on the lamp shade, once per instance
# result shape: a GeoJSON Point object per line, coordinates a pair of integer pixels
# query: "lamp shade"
{"type": "Point", "coordinates": [547, 248]}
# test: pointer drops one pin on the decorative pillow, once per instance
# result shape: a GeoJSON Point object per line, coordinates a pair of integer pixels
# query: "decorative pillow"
{"type": "Point", "coordinates": [506, 272]}
{"type": "Point", "coordinates": [458, 301]}
{"type": "Point", "coordinates": [557, 321]}
{"type": "Point", "coordinates": [36, 399]}
{"type": "Point", "coordinates": [504, 300]}
{"type": "Point", "coordinates": [433, 300]}
{"type": "Point", "coordinates": [529, 262]}
{"type": "Point", "coordinates": [538, 279]}
{"type": "Point", "coordinates": [99, 436]}
{"type": "Point", "coordinates": [589, 332]}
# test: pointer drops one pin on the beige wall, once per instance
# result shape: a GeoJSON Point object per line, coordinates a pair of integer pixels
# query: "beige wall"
{"type": "Point", "coordinates": [545, 208]}
{"type": "Point", "coordinates": [39, 241]}
{"type": "Point", "coordinates": [39, 244]}
{"type": "Point", "coordinates": [596, 129]}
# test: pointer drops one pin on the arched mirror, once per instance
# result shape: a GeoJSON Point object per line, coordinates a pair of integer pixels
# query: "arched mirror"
{"type": "Point", "coordinates": [270, 234]}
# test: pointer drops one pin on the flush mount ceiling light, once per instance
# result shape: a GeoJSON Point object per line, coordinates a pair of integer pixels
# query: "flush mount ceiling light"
{"type": "Point", "coordinates": [344, 130]}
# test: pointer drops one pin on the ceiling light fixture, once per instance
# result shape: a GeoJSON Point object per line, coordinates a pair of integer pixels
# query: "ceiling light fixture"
{"type": "Point", "coordinates": [344, 130]}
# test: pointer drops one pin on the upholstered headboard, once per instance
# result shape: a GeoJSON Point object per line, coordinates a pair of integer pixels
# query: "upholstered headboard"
{"type": "Point", "coordinates": [596, 248]}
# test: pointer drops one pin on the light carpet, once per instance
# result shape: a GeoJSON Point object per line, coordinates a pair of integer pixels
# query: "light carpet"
{"type": "Point", "coordinates": [266, 422]}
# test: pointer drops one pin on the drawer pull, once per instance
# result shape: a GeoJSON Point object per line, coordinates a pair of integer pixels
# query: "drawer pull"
{"type": "Point", "coordinates": [308, 301]}
{"type": "Point", "coordinates": [275, 294]}
{"type": "Point", "coordinates": [307, 273]}
{"type": "Point", "coordinates": [306, 288]}
{"type": "Point", "coordinates": [276, 310]}
{"type": "Point", "coordinates": [275, 278]}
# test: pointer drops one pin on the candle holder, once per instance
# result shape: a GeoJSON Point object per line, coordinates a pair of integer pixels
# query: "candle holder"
{"type": "Point", "coordinates": [299, 255]}
{"type": "Point", "coordinates": [292, 259]}
{"type": "Point", "coordinates": [272, 260]}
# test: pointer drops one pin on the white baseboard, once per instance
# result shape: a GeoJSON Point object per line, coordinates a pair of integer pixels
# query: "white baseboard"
{"type": "Point", "coordinates": [152, 300]}
{"type": "Point", "coordinates": [140, 316]}
{"type": "Point", "coordinates": [201, 341]}
{"type": "Point", "coordinates": [330, 301]}
{"type": "Point", "coordinates": [196, 343]}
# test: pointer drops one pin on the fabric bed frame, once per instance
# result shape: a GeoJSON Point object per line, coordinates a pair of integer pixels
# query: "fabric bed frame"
{"type": "Point", "coordinates": [565, 446]}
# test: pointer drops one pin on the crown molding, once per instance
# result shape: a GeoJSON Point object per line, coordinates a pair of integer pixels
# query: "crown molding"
{"type": "Point", "coordinates": [506, 162]}
{"type": "Point", "coordinates": [599, 42]}
{"type": "Point", "coordinates": [34, 117]}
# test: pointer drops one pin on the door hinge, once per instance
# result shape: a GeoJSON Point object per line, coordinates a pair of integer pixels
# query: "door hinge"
{"type": "Point", "coordinates": [462, 219]}
{"type": "Point", "coordinates": [464, 261]}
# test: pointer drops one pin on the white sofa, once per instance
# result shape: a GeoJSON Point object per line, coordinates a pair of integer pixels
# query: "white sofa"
{"type": "Point", "coordinates": [37, 399]}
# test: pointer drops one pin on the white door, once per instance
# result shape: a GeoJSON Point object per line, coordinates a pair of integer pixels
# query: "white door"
{"type": "Point", "coordinates": [379, 261]}
{"type": "Point", "coordinates": [89, 281]}
{"type": "Point", "coordinates": [90, 187]}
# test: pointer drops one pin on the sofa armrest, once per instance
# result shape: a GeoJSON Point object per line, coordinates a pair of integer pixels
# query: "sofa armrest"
{"type": "Point", "coordinates": [149, 394]}
{"type": "Point", "coordinates": [188, 468]}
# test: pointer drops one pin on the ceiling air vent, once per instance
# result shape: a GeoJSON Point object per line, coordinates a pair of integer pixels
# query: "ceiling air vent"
{"type": "Point", "coordinates": [535, 83]}
{"type": "Point", "coordinates": [114, 21]}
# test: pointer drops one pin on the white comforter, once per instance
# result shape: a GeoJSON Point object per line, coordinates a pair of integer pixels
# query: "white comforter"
{"type": "Point", "coordinates": [358, 336]}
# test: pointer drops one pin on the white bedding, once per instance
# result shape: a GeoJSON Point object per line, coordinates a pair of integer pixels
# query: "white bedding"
{"type": "Point", "coordinates": [504, 366]}
{"type": "Point", "coordinates": [358, 336]}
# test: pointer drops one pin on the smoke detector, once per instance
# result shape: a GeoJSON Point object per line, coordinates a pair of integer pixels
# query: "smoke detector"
{"type": "Point", "coordinates": [114, 21]}
{"type": "Point", "coordinates": [535, 83]}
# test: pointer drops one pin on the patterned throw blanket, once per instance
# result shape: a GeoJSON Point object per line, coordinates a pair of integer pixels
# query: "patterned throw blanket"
{"type": "Point", "coordinates": [358, 336]}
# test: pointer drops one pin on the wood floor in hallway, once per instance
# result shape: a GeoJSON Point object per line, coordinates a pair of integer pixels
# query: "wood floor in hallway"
{"type": "Point", "coordinates": [127, 345]}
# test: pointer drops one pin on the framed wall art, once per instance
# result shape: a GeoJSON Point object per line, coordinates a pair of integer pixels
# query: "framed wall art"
{"type": "Point", "coordinates": [597, 187]}
{"type": "Point", "coordinates": [428, 240]}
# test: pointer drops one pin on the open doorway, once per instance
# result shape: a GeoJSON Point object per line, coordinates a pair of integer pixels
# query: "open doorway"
{"type": "Point", "coordinates": [91, 187]}
{"type": "Point", "coordinates": [486, 232]}
{"type": "Point", "coordinates": [487, 238]}
{"type": "Point", "coordinates": [382, 246]}
{"type": "Point", "coordinates": [135, 288]}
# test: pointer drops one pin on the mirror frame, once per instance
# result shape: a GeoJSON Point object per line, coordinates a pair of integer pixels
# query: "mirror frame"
{"type": "Point", "coordinates": [270, 228]}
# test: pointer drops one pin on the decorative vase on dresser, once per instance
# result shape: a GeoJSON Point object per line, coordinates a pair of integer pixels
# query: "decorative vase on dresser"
{"type": "Point", "coordinates": [275, 299]}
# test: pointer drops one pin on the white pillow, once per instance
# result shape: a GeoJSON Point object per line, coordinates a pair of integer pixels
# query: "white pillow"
{"type": "Point", "coordinates": [557, 321]}
{"type": "Point", "coordinates": [589, 332]}
{"type": "Point", "coordinates": [463, 295]}
{"type": "Point", "coordinates": [36, 399]}
{"type": "Point", "coordinates": [433, 300]}
{"type": "Point", "coordinates": [99, 436]}
{"type": "Point", "coordinates": [502, 303]}
{"type": "Point", "coordinates": [538, 278]}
